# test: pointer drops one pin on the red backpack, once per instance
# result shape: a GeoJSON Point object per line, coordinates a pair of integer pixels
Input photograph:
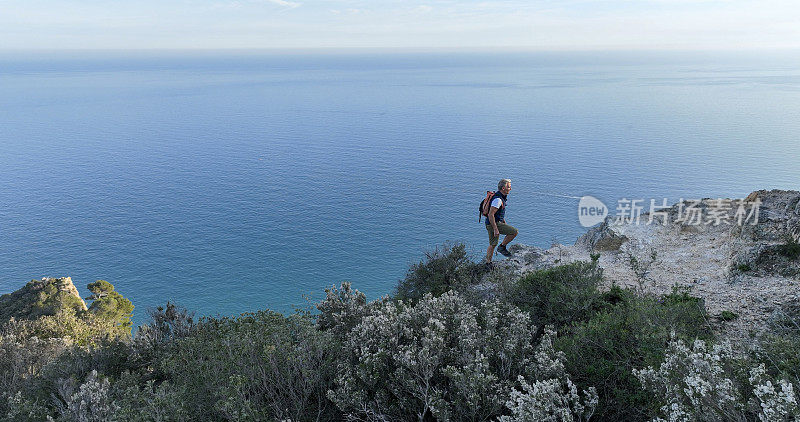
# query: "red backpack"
{"type": "Point", "coordinates": [483, 208]}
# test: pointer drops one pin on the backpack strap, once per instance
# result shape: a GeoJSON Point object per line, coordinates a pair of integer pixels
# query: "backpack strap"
{"type": "Point", "coordinates": [502, 201]}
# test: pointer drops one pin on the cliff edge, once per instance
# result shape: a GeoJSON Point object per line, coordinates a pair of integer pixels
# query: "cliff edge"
{"type": "Point", "coordinates": [41, 297]}
{"type": "Point", "coordinates": [751, 270]}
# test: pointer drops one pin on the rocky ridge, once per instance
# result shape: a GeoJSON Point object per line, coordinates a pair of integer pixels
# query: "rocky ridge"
{"type": "Point", "coordinates": [752, 270]}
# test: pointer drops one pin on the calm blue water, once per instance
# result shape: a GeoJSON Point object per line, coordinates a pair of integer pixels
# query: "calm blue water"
{"type": "Point", "coordinates": [234, 182]}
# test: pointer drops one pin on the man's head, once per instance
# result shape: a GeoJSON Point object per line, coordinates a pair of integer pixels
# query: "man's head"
{"type": "Point", "coordinates": [504, 186]}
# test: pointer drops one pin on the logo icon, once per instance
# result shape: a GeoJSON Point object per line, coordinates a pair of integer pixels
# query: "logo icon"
{"type": "Point", "coordinates": [591, 211]}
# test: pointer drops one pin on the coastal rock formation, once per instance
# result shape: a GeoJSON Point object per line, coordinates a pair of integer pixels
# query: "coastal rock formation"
{"type": "Point", "coordinates": [41, 297]}
{"type": "Point", "coordinates": [602, 238]}
{"type": "Point", "coordinates": [752, 269]}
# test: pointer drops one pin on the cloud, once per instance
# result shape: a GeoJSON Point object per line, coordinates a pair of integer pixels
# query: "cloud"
{"type": "Point", "coordinates": [549, 24]}
{"type": "Point", "coordinates": [284, 3]}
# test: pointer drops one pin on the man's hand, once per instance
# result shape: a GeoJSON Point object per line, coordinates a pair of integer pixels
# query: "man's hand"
{"type": "Point", "coordinates": [496, 231]}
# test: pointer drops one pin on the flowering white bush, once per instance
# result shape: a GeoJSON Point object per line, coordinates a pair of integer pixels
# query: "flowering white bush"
{"type": "Point", "coordinates": [554, 398]}
{"type": "Point", "coordinates": [441, 357]}
{"type": "Point", "coordinates": [694, 384]}
{"type": "Point", "coordinates": [91, 403]}
{"type": "Point", "coordinates": [698, 385]}
{"type": "Point", "coordinates": [446, 359]}
{"type": "Point", "coordinates": [775, 401]}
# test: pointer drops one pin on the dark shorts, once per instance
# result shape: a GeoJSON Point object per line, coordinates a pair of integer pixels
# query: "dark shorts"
{"type": "Point", "coordinates": [503, 228]}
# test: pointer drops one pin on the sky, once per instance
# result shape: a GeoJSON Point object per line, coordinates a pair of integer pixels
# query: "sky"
{"type": "Point", "coordinates": [399, 24]}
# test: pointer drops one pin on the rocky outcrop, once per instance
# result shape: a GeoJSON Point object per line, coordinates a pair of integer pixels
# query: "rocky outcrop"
{"type": "Point", "coordinates": [602, 238]}
{"type": "Point", "coordinates": [751, 269]}
{"type": "Point", "coordinates": [779, 216]}
{"type": "Point", "coordinates": [41, 297]}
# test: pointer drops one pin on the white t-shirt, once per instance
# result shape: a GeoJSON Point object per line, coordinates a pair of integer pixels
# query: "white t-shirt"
{"type": "Point", "coordinates": [497, 203]}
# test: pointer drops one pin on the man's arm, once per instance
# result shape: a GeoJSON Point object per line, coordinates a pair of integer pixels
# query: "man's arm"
{"type": "Point", "coordinates": [493, 210]}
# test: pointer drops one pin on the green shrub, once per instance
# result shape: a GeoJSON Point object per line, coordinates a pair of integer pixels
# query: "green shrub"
{"type": "Point", "coordinates": [55, 374]}
{"type": "Point", "coordinates": [111, 358]}
{"type": "Point", "coordinates": [557, 296]}
{"type": "Point", "coordinates": [780, 354]}
{"type": "Point", "coordinates": [15, 407]}
{"type": "Point", "coordinates": [148, 402]}
{"type": "Point", "coordinates": [110, 309]}
{"type": "Point", "coordinates": [444, 268]}
{"type": "Point", "coordinates": [779, 348]}
{"type": "Point", "coordinates": [38, 356]}
{"type": "Point", "coordinates": [790, 249]}
{"type": "Point", "coordinates": [342, 309]}
{"type": "Point", "coordinates": [155, 339]}
{"type": "Point", "coordinates": [728, 316]}
{"type": "Point", "coordinates": [680, 295]}
{"type": "Point", "coordinates": [744, 268]}
{"type": "Point", "coordinates": [22, 359]}
{"type": "Point", "coordinates": [256, 366]}
{"type": "Point", "coordinates": [628, 331]}
{"type": "Point", "coordinates": [614, 296]}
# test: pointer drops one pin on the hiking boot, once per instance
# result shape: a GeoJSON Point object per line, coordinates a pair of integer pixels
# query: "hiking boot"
{"type": "Point", "coordinates": [503, 251]}
{"type": "Point", "coordinates": [488, 266]}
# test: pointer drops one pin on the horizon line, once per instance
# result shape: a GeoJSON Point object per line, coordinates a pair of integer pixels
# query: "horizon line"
{"type": "Point", "coordinates": [482, 49]}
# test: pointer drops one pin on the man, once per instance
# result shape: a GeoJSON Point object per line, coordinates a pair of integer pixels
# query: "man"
{"type": "Point", "coordinates": [496, 221]}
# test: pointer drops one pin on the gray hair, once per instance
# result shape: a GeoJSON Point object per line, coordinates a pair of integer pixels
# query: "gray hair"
{"type": "Point", "coordinates": [502, 183]}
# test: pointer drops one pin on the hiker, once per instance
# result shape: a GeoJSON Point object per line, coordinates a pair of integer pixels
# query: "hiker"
{"type": "Point", "coordinates": [496, 221]}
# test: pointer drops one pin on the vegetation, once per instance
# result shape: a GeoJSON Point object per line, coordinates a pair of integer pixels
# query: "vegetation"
{"type": "Point", "coordinates": [551, 345]}
{"type": "Point", "coordinates": [782, 259]}
{"type": "Point", "coordinates": [790, 249]}
{"type": "Point", "coordinates": [445, 268]}
{"type": "Point", "coordinates": [628, 331]}
{"type": "Point", "coordinates": [39, 298]}
{"type": "Point", "coordinates": [640, 265]}
{"type": "Point", "coordinates": [728, 315]}
{"type": "Point", "coordinates": [557, 296]}
{"type": "Point", "coordinates": [110, 307]}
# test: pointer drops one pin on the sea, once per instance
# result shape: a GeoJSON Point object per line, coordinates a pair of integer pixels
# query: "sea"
{"type": "Point", "coordinates": [235, 181]}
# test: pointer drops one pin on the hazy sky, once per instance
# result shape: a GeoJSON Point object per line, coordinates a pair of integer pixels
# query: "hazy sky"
{"type": "Point", "coordinates": [537, 24]}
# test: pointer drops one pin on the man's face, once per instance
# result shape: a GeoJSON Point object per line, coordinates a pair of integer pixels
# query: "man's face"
{"type": "Point", "coordinates": [506, 189]}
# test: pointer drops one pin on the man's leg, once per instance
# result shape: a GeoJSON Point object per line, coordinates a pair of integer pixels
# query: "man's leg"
{"type": "Point", "coordinates": [489, 253]}
{"type": "Point", "coordinates": [510, 232]}
{"type": "Point", "coordinates": [509, 238]}
{"type": "Point", "coordinates": [492, 243]}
